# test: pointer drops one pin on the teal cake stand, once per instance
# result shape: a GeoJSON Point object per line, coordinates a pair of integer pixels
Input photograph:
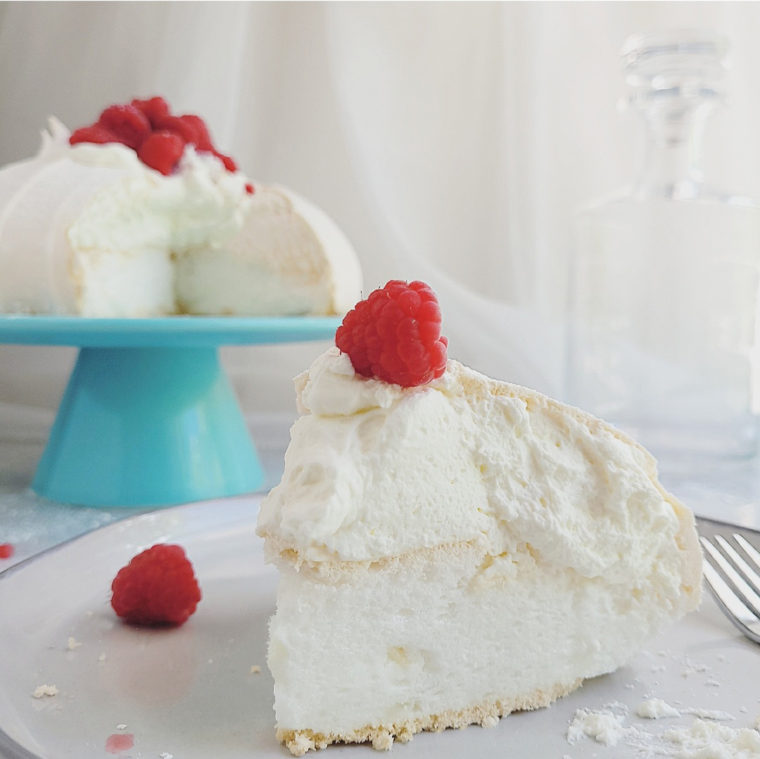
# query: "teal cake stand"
{"type": "Point", "coordinates": [148, 417]}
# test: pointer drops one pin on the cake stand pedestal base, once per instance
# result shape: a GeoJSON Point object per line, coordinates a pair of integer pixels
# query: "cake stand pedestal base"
{"type": "Point", "coordinates": [147, 426]}
{"type": "Point", "coordinates": [149, 417]}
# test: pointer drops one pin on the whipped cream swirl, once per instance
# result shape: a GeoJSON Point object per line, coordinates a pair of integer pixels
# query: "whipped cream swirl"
{"type": "Point", "coordinates": [375, 470]}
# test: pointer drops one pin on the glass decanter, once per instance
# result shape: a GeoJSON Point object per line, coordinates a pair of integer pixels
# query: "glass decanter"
{"type": "Point", "coordinates": [663, 307]}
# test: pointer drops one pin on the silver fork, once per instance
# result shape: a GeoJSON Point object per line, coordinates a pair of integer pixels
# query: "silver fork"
{"type": "Point", "coordinates": [732, 574]}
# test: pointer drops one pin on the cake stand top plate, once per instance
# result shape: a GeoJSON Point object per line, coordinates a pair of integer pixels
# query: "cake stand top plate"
{"type": "Point", "coordinates": [169, 331]}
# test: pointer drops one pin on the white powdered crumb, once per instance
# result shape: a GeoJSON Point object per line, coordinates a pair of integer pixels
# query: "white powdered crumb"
{"type": "Point", "coordinates": [43, 691]}
{"type": "Point", "coordinates": [709, 740]}
{"type": "Point", "coordinates": [255, 669]}
{"type": "Point", "coordinates": [489, 721]}
{"type": "Point", "coordinates": [122, 726]}
{"type": "Point", "coordinates": [712, 683]}
{"type": "Point", "coordinates": [713, 714]}
{"type": "Point", "coordinates": [629, 686]}
{"type": "Point", "coordinates": [656, 708]}
{"type": "Point", "coordinates": [691, 667]}
{"type": "Point", "coordinates": [102, 657]}
{"type": "Point", "coordinates": [705, 738]}
{"type": "Point", "coordinates": [73, 643]}
{"type": "Point", "coordinates": [300, 745]}
{"type": "Point", "coordinates": [166, 755]}
{"type": "Point", "coordinates": [743, 709]}
{"type": "Point", "coordinates": [659, 668]}
{"type": "Point", "coordinates": [382, 742]}
{"type": "Point", "coordinates": [603, 727]}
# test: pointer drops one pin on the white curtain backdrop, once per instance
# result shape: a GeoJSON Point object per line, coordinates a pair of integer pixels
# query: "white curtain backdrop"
{"type": "Point", "coordinates": [451, 141]}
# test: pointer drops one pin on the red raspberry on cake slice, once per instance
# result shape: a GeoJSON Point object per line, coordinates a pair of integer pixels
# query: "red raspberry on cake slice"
{"type": "Point", "coordinates": [395, 335]}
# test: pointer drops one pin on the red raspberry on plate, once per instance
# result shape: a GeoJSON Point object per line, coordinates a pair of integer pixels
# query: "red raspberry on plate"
{"type": "Point", "coordinates": [157, 587]}
{"type": "Point", "coordinates": [161, 151]}
{"type": "Point", "coordinates": [395, 335]}
{"type": "Point", "coordinates": [127, 123]}
{"type": "Point", "coordinates": [6, 550]}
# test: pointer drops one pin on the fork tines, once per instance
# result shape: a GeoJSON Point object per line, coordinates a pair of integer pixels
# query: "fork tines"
{"type": "Point", "coordinates": [732, 574]}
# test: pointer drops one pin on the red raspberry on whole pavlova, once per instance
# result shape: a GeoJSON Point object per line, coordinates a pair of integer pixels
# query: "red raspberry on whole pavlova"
{"type": "Point", "coordinates": [157, 136]}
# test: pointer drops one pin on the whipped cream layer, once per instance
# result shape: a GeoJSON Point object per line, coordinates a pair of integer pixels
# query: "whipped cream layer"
{"type": "Point", "coordinates": [375, 470]}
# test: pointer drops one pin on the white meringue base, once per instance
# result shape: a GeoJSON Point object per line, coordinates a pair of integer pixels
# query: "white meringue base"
{"type": "Point", "coordinates": [382, 648]}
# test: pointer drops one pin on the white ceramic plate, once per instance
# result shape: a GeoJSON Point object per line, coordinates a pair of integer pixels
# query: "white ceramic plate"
{"type": "Point", "coordinates": [189, 692]}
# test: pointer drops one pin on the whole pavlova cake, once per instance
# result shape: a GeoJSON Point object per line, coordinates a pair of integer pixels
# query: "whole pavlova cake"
{"type": "Point", "coordinates": [139, 214]}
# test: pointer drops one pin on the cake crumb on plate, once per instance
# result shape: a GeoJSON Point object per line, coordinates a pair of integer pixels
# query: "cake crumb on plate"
{"type": "Point", "coordinates": [713, 714]}
{"type": "Point", "coordinates": [604, 727]}
{"type": "Point", "coordinates": [656, 708]}
{"type": "Point", "coordinates": [703, 738]}
{"type": "Point", "coordinates": [45, 691]}
{"type": "Point", "coordinates": [382, 742]}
